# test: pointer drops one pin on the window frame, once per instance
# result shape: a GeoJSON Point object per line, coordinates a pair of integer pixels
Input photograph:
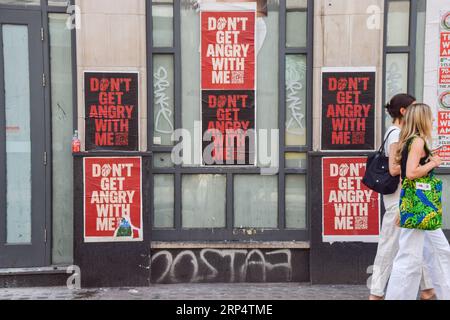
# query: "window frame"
{"type": "Point", "coordinates": [410, 50]}
{"type": "Point", "coordinates": [44, 7]}
{"type": "Point", "coordinates": [45, 10]}
{"type": "Point", "coordinates": [229, 233]}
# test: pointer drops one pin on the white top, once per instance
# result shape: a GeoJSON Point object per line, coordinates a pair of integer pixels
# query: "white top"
{"type": "Point", "coordinates": [392, 199]}
{"type": "Point", "coordinates": [393, 138]}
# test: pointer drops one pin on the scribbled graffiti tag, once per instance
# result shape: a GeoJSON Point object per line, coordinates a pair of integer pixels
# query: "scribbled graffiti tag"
{"type": "Point", "coordinates": [295, 77]}
{"type": "Point", "coordinates": [209, 265]}
{"type": "Point", "coordinates": [163, 118]}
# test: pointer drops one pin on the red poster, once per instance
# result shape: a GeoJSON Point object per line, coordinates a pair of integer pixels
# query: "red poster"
{"type": "Point", "coordinates": [228, 88]}
{"type": "Point", "coordinates": [444, 152]}
{"type": "Point", "coordinates": [351, 211]}
{"type": "Point", "coordinates": [444, 123]}
{"type": "Point", "coordinates": [112, 199]}
{"type": "Point", "coordinates": [444, 75]}
{"type": "Point", "coordinates": [445, 44]}
{"type": "Point", "coordinates": [228, 50]}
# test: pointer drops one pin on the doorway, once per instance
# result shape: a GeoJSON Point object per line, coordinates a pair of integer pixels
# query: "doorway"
{"type": "Point", "coordinates": [23, 131]}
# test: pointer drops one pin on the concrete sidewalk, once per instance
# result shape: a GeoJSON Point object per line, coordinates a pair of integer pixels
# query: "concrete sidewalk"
{"type": "Point", "coordinates": [268, 291]}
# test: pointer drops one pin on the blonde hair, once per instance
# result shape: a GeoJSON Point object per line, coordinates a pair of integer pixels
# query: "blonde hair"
{"type": "Point", "coordinates": [418, 122]}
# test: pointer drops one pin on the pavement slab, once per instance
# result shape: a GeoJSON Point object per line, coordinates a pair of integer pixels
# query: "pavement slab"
{"type": "Point", "coordinates": [213, 291]}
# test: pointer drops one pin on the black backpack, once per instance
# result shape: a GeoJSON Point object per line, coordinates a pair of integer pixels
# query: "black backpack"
{"type": "Point", "coordinates": [378, 177]}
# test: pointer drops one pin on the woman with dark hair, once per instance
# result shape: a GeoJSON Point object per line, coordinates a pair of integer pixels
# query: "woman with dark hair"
{"type": "Point", "coordinates": [389, 237]}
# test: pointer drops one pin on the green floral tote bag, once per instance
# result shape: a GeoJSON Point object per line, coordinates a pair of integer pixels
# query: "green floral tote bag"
{"type": "Point", "coordinates": [421, 203]}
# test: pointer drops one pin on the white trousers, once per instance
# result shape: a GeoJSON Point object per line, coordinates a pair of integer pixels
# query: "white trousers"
{"type": "Point", "coordinates": [415, 248]}
{"type": "Point", "coordinates": [388, 247]}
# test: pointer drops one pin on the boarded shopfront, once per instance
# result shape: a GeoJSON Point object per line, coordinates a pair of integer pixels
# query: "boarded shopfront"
{"type": "Point", "coordinates": [221, 141]}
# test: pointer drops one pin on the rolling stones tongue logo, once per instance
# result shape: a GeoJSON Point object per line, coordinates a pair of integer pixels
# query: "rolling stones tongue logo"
{"type": "Point", "coordinates": [106, 170]}
{"type": "Point", "coordinates": [221, 24]}
{"type": "Point", "coordinates": [343, 170]}
{"type": "Point", "coordinates": [342, 84]}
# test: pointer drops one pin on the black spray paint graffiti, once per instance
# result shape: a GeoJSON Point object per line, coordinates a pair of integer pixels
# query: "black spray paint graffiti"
{"type": "Point", "coordinates": [221, 265]}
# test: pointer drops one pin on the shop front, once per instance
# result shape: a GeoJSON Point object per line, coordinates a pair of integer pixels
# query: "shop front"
{"type": "Point", "coordinates": [220, 141]}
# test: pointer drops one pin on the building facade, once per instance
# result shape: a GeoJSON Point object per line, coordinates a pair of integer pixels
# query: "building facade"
{"type": "Point", "coordinates": [127, 74]}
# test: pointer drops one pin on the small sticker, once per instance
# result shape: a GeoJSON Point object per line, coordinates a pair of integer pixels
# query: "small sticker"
{"type": "Point", "coordinates": [423, 186]}
{"type": "Point", "coordinates": [157, 141]}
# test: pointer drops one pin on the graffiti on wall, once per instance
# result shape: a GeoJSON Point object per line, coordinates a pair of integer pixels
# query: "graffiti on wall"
{"type": "Point", "coordinates": [163, 118]}
{"type": "Point", "coordinates": [231, 265]}
{"type": "Point", "coordinates": [394, 80]}
{"type": "Point", "coordinates": [295, 91]}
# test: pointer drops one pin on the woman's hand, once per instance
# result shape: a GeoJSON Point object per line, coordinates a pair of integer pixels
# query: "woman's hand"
{"type": "Point", "coordinates": [436, 160]}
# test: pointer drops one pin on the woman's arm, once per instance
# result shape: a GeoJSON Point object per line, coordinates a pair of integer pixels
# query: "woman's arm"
{"type": "Point", "coordinates": [413, 168]}
{"type": "Point", "coordinates": [394, 168]}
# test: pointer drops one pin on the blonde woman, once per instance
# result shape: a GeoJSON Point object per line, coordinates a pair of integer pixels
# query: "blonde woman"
{"type": "Point", "coordinates": [417, 247]}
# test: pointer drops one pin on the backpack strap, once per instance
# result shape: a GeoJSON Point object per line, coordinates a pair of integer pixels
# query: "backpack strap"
{"type": "Point", "coordinates": [382, 148]}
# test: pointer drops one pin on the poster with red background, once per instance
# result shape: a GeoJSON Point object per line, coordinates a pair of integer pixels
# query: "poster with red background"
{"type": "Point", "coordinates": [351, 211]}
{"type": "Point", "coordinates": [444, 75]}
{"type": "Point", "coordinates": [228, 85]}
{"type": "Point", "coordinates": [445, 44]}
{"type": "Point", "coordinates": [113, 199]}
{"type": "Point", "coordinates": [228, 50]}
{"type": "Point", "coordinates": [444, 123]}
